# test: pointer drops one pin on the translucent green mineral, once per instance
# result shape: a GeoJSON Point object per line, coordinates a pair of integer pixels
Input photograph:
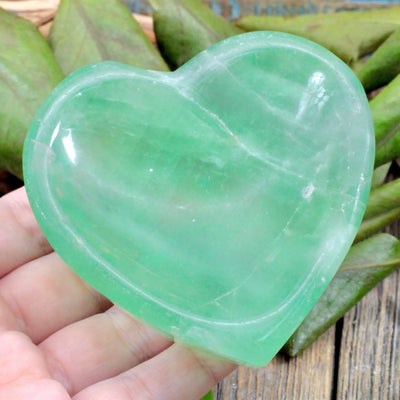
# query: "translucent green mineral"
{"type": "Point", "coordinates": [215, 202]}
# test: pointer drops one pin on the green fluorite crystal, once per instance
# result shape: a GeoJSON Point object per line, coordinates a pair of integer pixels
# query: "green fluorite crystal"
{"type": "Point", "coordinates": [215, 202]}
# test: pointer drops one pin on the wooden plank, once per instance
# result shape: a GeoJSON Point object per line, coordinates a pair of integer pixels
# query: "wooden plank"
{"type": "Point", "coordinates": [308, 376]}
{"type": "Point", "coordinates": [29, 5]}
{"type": "Point", "coordinates": [369, 363]}
{"type": "Point", "coordinates": [42, 13]}
{"type": "Point", "coordinates": [37, 11]}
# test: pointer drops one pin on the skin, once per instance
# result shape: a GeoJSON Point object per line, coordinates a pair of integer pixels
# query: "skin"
{"type": "Point", "coordinates": [62, 340]}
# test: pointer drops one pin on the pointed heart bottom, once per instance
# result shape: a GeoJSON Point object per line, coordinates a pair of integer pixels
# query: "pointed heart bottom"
{"type": "Point", "coordinates": [215, 202]}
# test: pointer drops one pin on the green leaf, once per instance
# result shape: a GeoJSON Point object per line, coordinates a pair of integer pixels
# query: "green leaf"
{"type": "Point", "coordinates": [375, 224]}
{"type": "Point", "coordinates": [356, 65]}
{"type": "Point", "coordinates": [385, 108]}
{"type": "Point", "coordinates": [379, 175]}
{"type": "Point", "coordinates": [184, 28]}
{"type": "Point", "coordinates": [383, 208]}
{"type": "Point", "coordinates": [384, 64]}
{"type": "Point", "coordinates": [383, 199]}
{"type": "Point", "coordinates": [88, 31]}
{"type": "Point", "coordinates": [208, 396]}
{"type": "Point", "coordinates": [366, 264]}
{"type": "Point", "coordinates": [349, 35]}
{"type": "Point", "coordinates": [28, 72]}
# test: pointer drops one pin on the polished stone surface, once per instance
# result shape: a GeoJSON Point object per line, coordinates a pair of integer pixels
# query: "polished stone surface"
{"type": "Point", "coordinates": [215, 202]}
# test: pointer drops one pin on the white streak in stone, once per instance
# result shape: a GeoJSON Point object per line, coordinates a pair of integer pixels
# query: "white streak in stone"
{"type": "Point", "coordinates": [286, 117]}
{"type": "Point", "coordinates": [285, 231]}
{"type": "Point", "coordinates": [263, 157]}
{"type": "Point", "coordinates": [308, 191]}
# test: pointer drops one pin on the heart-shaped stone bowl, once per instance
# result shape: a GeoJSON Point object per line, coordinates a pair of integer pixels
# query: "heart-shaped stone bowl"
{"type": "Point", "coordinates": [215, 202]}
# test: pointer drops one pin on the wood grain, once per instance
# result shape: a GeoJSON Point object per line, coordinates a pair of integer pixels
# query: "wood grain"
{"type": "Point", "coordinates": [42, 12]}
{"type": "Point", "coordinates": [306, 377]}
{"type": "Point", "coordinates": [37, 11]}
{"type": "Point", "coordinates": [369, 362]}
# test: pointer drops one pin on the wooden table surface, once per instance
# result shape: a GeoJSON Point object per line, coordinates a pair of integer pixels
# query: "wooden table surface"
{"type": "Point", "coordinates": [358, 359]}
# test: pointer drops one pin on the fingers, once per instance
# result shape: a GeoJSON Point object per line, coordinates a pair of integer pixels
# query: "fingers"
{"type": "Point", "coordinates": [8, 321]}
{"type": "Point", "coordinates": [21, 240]}
{"type": "Point", "coordinates": [23, 371]}
{"type": "Point", "coordinates": [45, 295]}
{"type": "Point", "coordinates": [177, 373]}
{"type": "Point", "coordinates": [100, 347]}
{"type": "Point", "coordinates": [20, 358]}
{"type": "Point", "coordinates": [43, 389]}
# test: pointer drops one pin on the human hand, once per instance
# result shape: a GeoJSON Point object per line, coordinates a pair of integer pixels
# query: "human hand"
{"type": "Point", "coordinates": [62, 340]}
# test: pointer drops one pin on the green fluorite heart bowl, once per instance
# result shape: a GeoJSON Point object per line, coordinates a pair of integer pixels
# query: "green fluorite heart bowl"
{"type": "Point", "coordinates": [215, 202]}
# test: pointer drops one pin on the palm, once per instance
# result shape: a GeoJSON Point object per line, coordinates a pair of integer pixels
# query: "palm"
{"type": "Point", "coordinates": [61, 340]}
